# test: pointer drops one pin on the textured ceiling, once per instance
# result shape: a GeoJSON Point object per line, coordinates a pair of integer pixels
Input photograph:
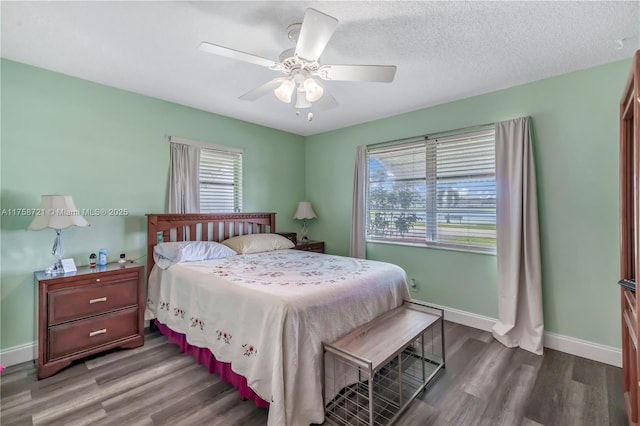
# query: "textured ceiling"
{"type": "Point", "coordinates": [443, 50]}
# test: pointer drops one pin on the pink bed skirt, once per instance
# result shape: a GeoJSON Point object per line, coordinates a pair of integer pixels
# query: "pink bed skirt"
{"type": "Point", "coordinates": [205, 357]}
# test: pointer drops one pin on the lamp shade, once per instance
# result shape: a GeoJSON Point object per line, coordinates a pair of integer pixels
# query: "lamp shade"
{"type": "Point", "coordinates": [305, 211]}
{"type": "Point", "coordinates": [284, 91]}
{"type": "Point", "coordinates": [57, 212]}
{"type": "Point", "coordinates": [313, 89]}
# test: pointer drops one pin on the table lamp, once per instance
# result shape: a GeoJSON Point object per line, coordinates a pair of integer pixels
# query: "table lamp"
{"type": "Point", "coordinates": [304, 212]}
{"type": "Point", "coordinates": [57, 212]}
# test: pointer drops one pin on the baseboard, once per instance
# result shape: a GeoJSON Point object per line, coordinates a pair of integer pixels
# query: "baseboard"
{"type": "Point", "coordinates": [594, 351]}
{"type": "Point", "coordinates": [571, 345]}
{"type": "Point", "coordinates": [582, 348]}
{"type": "Point", "coordinates": [467, 318]}
{"type": "Point", "coordinates": [19, 354]}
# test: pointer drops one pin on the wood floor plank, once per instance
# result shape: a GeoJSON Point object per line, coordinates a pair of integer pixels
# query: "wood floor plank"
{"type": "Point", "coordinates": [586, 405]}
{"type": "Point", "coordinates": [157, 388]}
{"type": "Point", "coordinates": [493, 362]}
{"type": "Point", "coordinates": [453, 375]}
{"type": "Point", "coordinates": [10, 401]}
{"type": "Point", "coordinates": [504, 404]}
{"type": "Point", "coordinates": [589, 372]}
{"type": "Point", "coordinates": [142, 402]}
{"type": "Point", "coordinates": [105, 374]}
{"type": "Point", "coordinates": [110, 388]}
{"type": "Point", "coordinates": [529, 422]}
{"type": "Point", "coordinates": [233, 414]}
{"type": "Point", "coordinates": [84, 417]}
{"type": "Point", "coordinates": [257, 418]}
{"type": "Point", "coordinates": [157, 385]}
{"type": "Point", "coordinates": [419, 413]}
{"type": "Point", "coordinates": [151, 342]}
{"type": "Point", "coordinates": [455, 335]}
{"type": "Point", "coordinates": [615, 397]}
{"type": "Point", "coordinates": [550, 391]}
{"type": "Point", "coordinates": [55, 398]}
{"type": "Point", "coordinates": [460, 408]}
{"type": "Point", "coordinates": [204, 405]}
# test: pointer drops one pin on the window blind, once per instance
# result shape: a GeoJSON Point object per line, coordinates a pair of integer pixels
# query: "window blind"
{"type": "Point", "coordinates": [220, 181]}
{"type": "Point", "coordinates": [438, 192]}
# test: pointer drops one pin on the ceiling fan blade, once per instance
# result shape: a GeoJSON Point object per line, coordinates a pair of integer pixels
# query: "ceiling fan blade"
{"type": "Point", "coordinates": [260, 91]}
{"type": "Point", "coordinates": [236, 54]}
{"type": "Point", "coordinates": [375, 73]}
{"type": "Point", "coordinates": [317, 29]}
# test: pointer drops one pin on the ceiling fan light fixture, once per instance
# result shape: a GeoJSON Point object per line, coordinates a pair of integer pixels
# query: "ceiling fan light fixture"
{"type": "Point", "coordinates": [301, 66]}
{"type": "Point", "coordinates": [301, 99]}
{"type": "Point", "coordinates": [284, 91]}
{"type": "Point", "coordinates": [313, 90]}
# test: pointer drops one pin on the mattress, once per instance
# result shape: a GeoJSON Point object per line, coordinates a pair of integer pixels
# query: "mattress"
{"type": "Point", "coordinates": [267, 315]}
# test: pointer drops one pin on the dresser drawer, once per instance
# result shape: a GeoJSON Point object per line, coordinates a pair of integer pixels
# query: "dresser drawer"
{"type": "Point", "coordinates": [86, 300]}
{"type": "Point", "coordinates": [69, 338]}
{"type": "Point", "coordinates": [96, 276]}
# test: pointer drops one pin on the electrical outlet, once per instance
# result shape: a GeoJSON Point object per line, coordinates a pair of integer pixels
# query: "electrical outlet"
{"type": "Point", "coordinates": [414, 284]}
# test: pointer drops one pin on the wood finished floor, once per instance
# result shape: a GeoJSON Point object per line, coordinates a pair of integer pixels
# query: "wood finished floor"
{"type": "Point", "coordinates": [484, 384]}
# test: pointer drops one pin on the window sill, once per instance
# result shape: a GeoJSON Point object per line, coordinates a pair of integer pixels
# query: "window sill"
{"type": "Point", "coordinates": [490, 252]}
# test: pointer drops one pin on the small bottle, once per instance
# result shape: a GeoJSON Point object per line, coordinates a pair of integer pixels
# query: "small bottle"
{"type": "Point", "coordinates": [92, 260]}
{"type": "Point", "coordinates": [102, 257]}
{"type": "Point", "coordinates": [123, 259]}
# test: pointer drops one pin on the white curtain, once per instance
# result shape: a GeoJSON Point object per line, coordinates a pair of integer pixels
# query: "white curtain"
{"type": "Point", "coordinates": [184, 183]}
{"type": "Point", "coordinates": [520, 321]}
{"type": "Point", "coordinates": [358, 246]}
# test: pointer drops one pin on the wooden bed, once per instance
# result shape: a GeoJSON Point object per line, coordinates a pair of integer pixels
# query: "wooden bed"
{"type": "Point", "coordinates": [276, 306]}
{"type": "Point", "coordinates": [203, 227]}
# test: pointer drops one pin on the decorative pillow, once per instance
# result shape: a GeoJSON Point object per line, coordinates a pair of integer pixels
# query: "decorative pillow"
{"type": "Point", "coordinates": [167, 254]}
{"type": "Point", "coordinates": [256, 243]}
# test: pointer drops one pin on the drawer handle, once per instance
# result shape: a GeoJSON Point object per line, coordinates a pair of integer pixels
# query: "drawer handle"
{"type": "Point", "coordinates": [97, 280]}
{"type": "Point", "coordinates": [95, 333]}
{"type": "Point", "coordinates": [99, 299]}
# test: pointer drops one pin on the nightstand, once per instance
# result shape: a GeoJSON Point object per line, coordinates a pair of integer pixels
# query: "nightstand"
{"type": "Point", "coordinates": [87, 312]}
{"type": "Point", "coordinates": [314, 246]}
{"type": "Point", "coordinates": [291, 236]}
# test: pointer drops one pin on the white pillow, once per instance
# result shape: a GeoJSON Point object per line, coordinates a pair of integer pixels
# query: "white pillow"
{"type": "Point", "coordinates": [167, 254]}
{"type": "Point", "coordinates": [256, 243]}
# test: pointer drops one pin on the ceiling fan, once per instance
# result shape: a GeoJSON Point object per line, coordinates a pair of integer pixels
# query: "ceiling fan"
{"type": "Point", "coordinates": [301, 67]}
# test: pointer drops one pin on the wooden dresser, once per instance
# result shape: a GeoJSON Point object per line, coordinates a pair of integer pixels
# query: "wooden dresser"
{"type": "Point", "coordinates": [89, 311]}
{"type": "Point", "coordinates": [630, 236]}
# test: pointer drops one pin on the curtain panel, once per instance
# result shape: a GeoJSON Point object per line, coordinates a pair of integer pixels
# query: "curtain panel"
{"type": "Point", "coordinates": [184, 179]}
{"type": "Point", "coordinates": [520, 318]}
{"type": "Point", "coordinates": [358, 246]}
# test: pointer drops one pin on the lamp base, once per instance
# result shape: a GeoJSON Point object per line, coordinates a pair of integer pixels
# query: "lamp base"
{"type": "Point", "coordinates": [58, 252]}
{"type": "Point", "coordinates": [55, 269]}
{"type": "Point", "coordinates": [303, 232]}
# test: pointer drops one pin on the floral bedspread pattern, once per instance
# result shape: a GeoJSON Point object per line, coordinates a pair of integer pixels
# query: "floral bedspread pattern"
{"type": "Point", "coordinates": [268, 313]}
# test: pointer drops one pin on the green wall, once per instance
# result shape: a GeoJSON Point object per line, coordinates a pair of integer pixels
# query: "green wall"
{"type": "Point", "coordinates": [108, 148]}
{"type": "Point", "coordinates": [575, 131]}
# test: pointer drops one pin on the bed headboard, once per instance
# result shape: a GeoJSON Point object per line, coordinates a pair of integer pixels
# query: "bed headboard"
{"type": "Point", "coordinates": [204, 227]}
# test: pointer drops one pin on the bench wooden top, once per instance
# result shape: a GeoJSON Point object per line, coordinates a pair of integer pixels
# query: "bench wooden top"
{"type": "Point", "coordinates": [379, 340]}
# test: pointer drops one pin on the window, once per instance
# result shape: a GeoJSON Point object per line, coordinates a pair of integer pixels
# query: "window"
{"type": "Point", "coordinates": [220, 180]}
{"type": "Point", "coordinates": [437, 192]}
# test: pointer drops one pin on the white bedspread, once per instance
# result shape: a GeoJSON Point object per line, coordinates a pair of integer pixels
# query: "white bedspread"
{"type": "Point", "coordinates": [268, 313]}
